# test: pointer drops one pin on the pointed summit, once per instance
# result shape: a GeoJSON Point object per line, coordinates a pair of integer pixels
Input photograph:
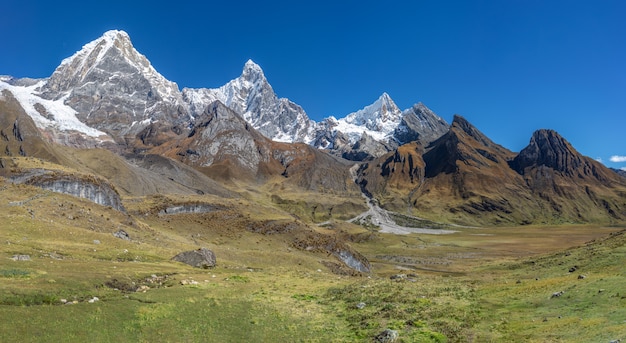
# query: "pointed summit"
{"type": "Point", "coordinates": [114, 88]}
{"type": "Point", "coordinates": [110, 55]}
{"type": "Point", "coordinates": [251, 96]}
{"type": "Point", "coordinates": [253, 73]}
{"type": "Point", "coordinates": [463, 125]}
{"type": "Point", "coordinates": [381, 116]}
{"type": "Point", "coordinates": [252, 67]}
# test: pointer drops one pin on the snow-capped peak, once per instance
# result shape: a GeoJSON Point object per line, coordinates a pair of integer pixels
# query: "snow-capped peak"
{"type": "Point", "coordinates": [378, 120]}
{"type": "Point", "coordinates": [103, 55]}
{"type": "Point", "coordinates": [377, 116]}
{"type": "Point", "coordinates": [99, 46]}
{"type": "Point", "coordinates": [253, 98]}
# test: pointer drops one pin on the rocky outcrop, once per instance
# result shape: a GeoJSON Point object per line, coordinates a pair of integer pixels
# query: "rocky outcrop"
{"type": "Point", "coordinates": [82, 186]}
{"type": "Point", "coordinates": [189, 208]}
{"type": "Point", "coordinates": [387, 336]}
{"type": "Point", "coordinates": [312, 241]}
{"type": "Point", "coordinates": [200, 258]}
{"type": "Point", "coordinates": [365, 149]}
{"type": "Point", "coordinates": [121, 234]}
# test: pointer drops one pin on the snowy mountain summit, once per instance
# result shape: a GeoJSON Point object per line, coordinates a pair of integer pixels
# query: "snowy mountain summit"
{"type": "Point", "coordinates": [253, 98]}
{"type": "Point", "coordinates": [111, 55]}
{"type": "Point", "coordinates": [378, 120]}
{"type": "Point", "coordinates": [114, 88]}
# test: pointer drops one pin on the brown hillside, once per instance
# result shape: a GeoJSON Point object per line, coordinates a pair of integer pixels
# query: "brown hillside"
{"type": "Point", "coordinates": [469, 179]}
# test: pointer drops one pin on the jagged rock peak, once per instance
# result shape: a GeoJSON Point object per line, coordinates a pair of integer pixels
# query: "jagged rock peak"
{"type": "Point", "coordinates": [549, 149]}
{"type": "Point", "coordinates": [469, 129]}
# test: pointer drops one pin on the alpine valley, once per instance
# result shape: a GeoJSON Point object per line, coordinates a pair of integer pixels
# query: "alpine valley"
{"type": "Point", "coordinates": [283, 200]}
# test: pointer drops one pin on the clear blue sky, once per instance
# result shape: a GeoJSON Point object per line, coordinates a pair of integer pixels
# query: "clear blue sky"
{"type": "Point", "coordinates": [508, 66]}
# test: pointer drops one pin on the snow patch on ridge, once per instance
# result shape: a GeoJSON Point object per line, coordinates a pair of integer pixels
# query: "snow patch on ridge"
{"type": "Point", "coordinates": [60, 116]}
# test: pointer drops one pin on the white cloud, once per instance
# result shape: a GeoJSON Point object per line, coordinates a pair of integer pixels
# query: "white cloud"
{"type": "Point", "coordinates": [599, 159]}
{"type": "Point", "coordinates": [617, 159]}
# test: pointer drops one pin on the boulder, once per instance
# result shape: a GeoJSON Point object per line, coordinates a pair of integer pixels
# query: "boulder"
{"type": "Point", "coordinates": [122, 235]}
{"type": "Point", "coordinates": [200, 258]}
{"type": "Point", "coordinates": [21, 257]}
{"type": "Point", "coordinates": [387, 336]}
{"type": "Point", "coordinates": [557, 294]}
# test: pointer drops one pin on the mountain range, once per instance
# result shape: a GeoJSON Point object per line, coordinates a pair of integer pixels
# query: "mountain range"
{"type": "Point", "coordinates": [108, 100]}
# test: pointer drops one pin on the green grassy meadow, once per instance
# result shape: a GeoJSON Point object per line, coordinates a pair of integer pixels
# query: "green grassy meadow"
{"type": "Point", "coordinates": [477, 285]}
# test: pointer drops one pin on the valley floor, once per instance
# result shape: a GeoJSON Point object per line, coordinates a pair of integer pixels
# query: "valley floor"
{"type": "Point", "coordinates": [80, 283]}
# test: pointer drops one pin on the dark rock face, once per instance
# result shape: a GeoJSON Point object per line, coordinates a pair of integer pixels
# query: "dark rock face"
{"type": "Point", "coordinates": [343, 252]}
{"type": "Point", "coordinates": [548, 148]}
{"type": "Point", "coordinates": [200, 258]}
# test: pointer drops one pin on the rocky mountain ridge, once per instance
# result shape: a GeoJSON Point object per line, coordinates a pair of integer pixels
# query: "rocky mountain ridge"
{"type": "Point", "coordinates": [109, 92]}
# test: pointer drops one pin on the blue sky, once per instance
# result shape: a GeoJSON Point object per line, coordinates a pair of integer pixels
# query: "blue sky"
{"type": "Point", "coordinates": [508, 66]}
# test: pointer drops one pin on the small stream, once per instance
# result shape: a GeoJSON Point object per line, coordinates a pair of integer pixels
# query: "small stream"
{"type": "Point", "coordinates": [381, 217]}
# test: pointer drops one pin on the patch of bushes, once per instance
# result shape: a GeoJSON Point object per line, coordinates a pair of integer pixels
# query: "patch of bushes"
{"type": "Point", "coordinates": [14, 273]}
{"type": "Point", "coordinates": [304, 297]}
{"type": "Point", "coordinates": [15, 299]}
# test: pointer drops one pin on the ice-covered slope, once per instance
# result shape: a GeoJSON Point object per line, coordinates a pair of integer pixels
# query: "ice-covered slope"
{"type": "Point", "coordinates": [51, 114]}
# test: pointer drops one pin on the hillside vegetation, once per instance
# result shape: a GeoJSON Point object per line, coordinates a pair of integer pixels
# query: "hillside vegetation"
{"type": "Point", "coordinates": [274, 280]}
